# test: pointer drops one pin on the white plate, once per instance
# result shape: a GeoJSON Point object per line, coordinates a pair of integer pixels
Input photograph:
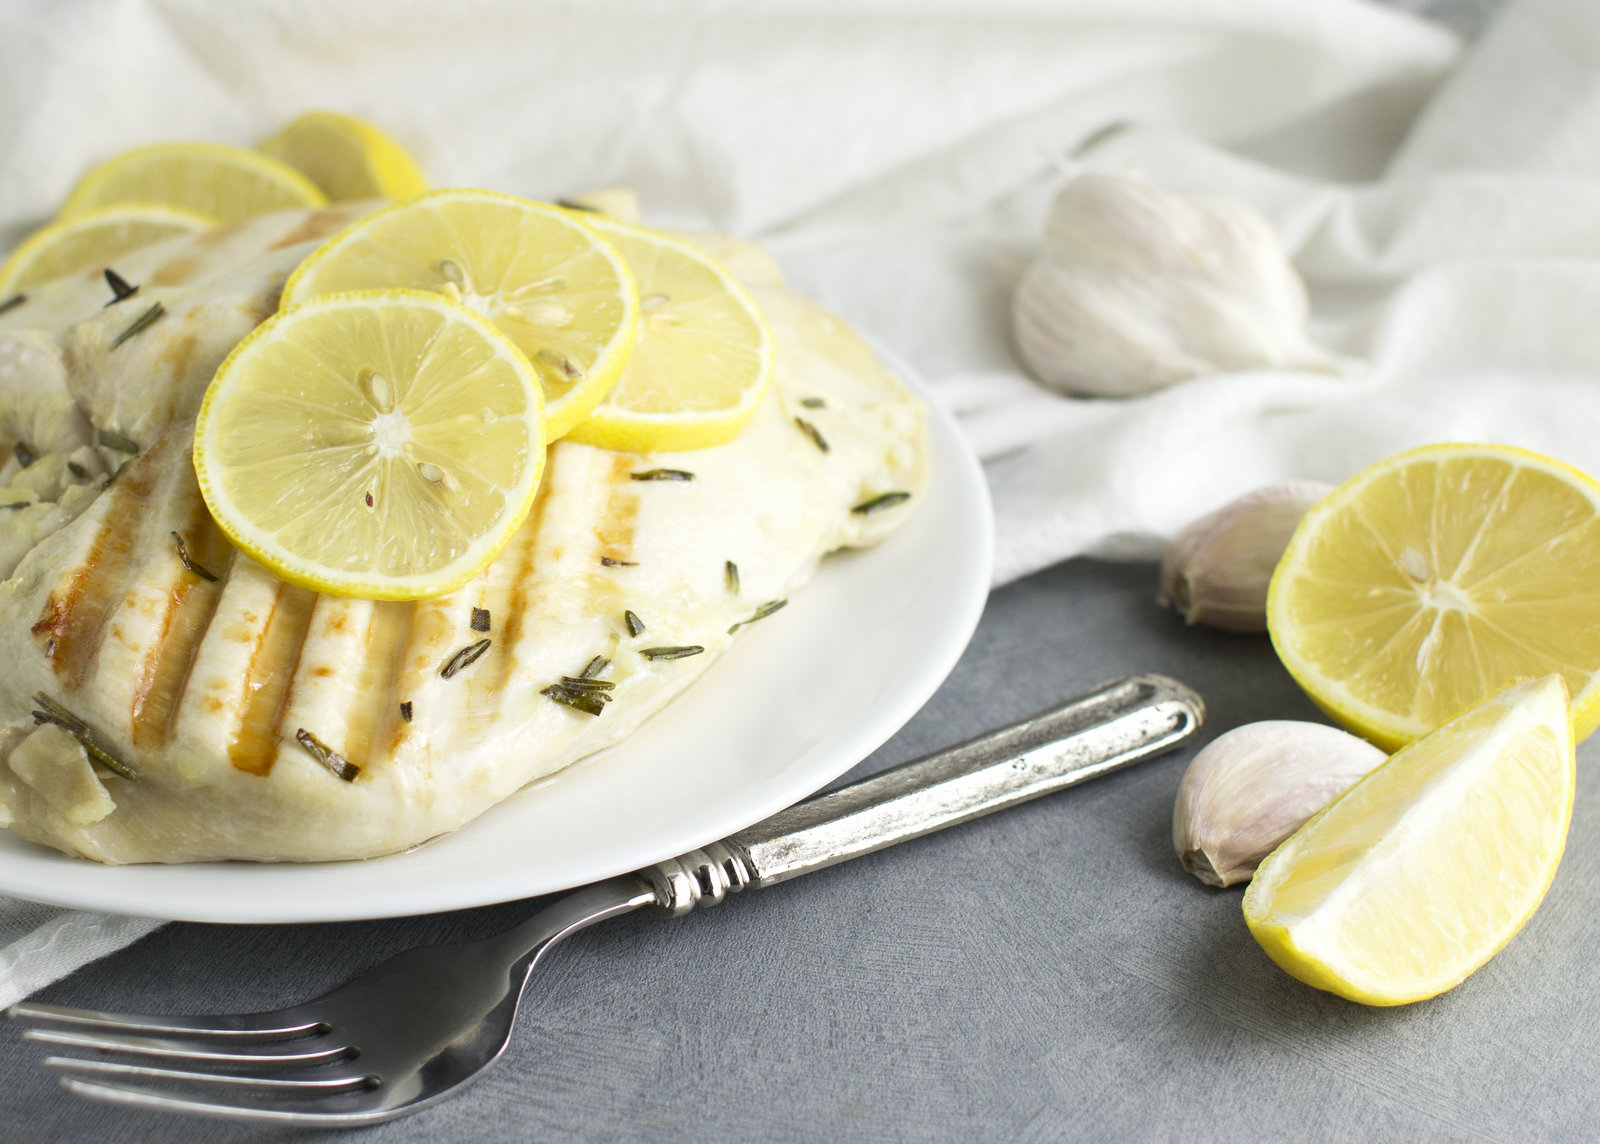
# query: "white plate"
{"type": "Point", "coordinates": [801, 699]}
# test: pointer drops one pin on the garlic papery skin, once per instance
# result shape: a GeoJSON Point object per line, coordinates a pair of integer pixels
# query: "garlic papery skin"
{"type": "Point", "coordinates": [1137, 288]}
{"type": "Point", "coordinates": [1216, 570]}
{"type": "Point", "coordinates": [1251, 788]}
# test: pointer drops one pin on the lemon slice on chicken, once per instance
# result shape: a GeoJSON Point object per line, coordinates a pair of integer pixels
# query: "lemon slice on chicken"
{"type": "Point", "coordinates": [383, 444]}
{"type": "Point", "coordinates": [92, 240]}
{"type": "Point", "coordinates": [224, 183]}
{"type": "Point", "coordinates": [551, 284]}
{"type": "Point", "coordinates": [704, 356]}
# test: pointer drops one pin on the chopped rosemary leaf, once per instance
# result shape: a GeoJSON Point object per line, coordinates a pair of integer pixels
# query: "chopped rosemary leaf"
{"type": "Point", "coordinates": [814, 433]}
{"type": "Point", "coordinates": [106, 484]}
{"type": "Point", "coordinates": [480, 619]}
{"type": "Point", "coordinates": [575, 205]}
{"type": "Point", "coordinates": [405, 710]}
{"type": "Point", "coordinates": [587, 702]}
{"type": "Point", "coordinates": [760, 613]}
{"type": "Point", "coordinates": [119, 287]}
{"type": "Point", "coordinates": [887, 500]}
{"type": "Point", "coordinates": [594, 667]}
{"type": "Point", "coordinates": [12, 302]}
{"type": "Point", "coordinates": [77, 470]}
{"type": "Point", "coordinates": [341, 767]}
{"type": "Point", "coordinates": [663, 475]}
{"type": "Point", "coordinates": [140, 324]}
{"type": "Point", "coordinates": [189, 563]}
{"type": "Point", "coordinates": [55, 713]}
{"type": "Point", "coordinates": [682, 652]}
{"type": "Point", "coordinates": [813, 403]}
{"type": "Point", "coordinates": [579, 683]}
{"type": "Point", "coordinates": [634, 623]}
{"type": "Point", "coordinates": [17, 504]}
{"type": "Point", "coordinates": [114, 440]}
{"type": "Point", "coordinates": [730, 576]}
{"type": "Point", "coordinates": [465, 658]}
{"type": "Point", "coordinates": [24, 455]}
{"type": "Point", "coordinates": [610, 562]}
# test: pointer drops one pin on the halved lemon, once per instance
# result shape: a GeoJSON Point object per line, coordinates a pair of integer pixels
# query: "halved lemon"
{"type": "Point", "coordinates": [347, 158]}
{"type": "Point", "coordinates": [704, 356]}
{"type": "Point", "coordinates": [1425, 868]}
{"type": "Point", "coordinates": [92, 241]}
{"type": "Point", "coordinates": [383, 444]}
{"type": "Point", "coordinates": [1433, 579]}
{"type": "Point", "coordinates": [555, 287]}
{"type": "Point", "coordinates": [224, 183]}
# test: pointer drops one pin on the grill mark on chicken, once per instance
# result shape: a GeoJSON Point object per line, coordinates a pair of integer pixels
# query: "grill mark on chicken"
{"type": "Point", "coordinates": [614, 529]}
{"type": "Point", "coordinates": [192, 602]}
{"type": "Point", "coordinates": [318, 225]}
{"type": "Point", "coordinates": [520, 566]}
{"type": "Point", "coordinates": [273, 664]}
{"type": "Point", "coordinates": [376, 730]}
{"type": "Point", "coordinates": [70, 627]}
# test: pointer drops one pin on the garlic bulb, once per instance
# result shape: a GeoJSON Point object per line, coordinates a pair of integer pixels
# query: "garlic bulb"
{"type": "Point", "coordinates": [1216, 570]}
{"type": "Point", "coordinates": [1137, 289]}
{"type": "Point", "coordinates": [1252, 787]}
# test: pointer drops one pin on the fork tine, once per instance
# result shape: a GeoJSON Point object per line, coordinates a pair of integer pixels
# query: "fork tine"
{"type": "Point", "coordinates": [278, 1023]}
{"type": "Point", "coordinates": [245, 1078]}
{"type": "Point", "coordinates": [314, 1113]}
{"type": "Point", "coordinates": [198, 1051]}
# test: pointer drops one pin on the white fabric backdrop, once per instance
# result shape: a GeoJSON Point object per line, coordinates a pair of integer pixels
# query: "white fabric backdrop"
{"type": "Point", "coordinates": [899, 155]}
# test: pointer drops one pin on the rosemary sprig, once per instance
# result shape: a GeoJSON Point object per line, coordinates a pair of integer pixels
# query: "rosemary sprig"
{"type": "Point", "coordinates": [575, 205]}
{"type": "Point", "coordinates": [466, 657]}
{"type": "Point", "coordinates": [760, 613]}
{"type": "Point", "coordinates": [814, 433]}
{"type": "Point", "coordinates": [140, 324]}
{"type": "Point", "coordinates": [114, 440]}
{"type": "Point", "coordinates": [106, 484]}
{"type": "Point", "coordinates": [887, 500]}
{"type": "Point", "coordinates": [594, 667]}
{"type": "Point", "coordinates": [189, 562]}
{"type": "Point", "coordinates": [813, 403]}
{"type": "Point", "coordinates": [17, 504]}
{"type": "Point", "coordinates": [634, 623]}
{"type": "Point", "coordinates": [680, 652]}
{"type": "Point", "coordinates": [77, 470]}
{"type": "Point", "coordinates": [119, 287]}
{"type": "Point", "coordinates": [12, 302]}
{"type": "Point", "coordinates": [341, 767]}
{"type": "Point", "coordinates": [579, 683]}
{"type": "Point", "coordinates": [24, 455]}
{"type": "Point", "coordinates": [480, 619]}
{"type": "Point", "coordinates": [55, 713]}
{"type": "Point", "coordinates": [405, 710]}
{"type": "Point", "coordinates": [612, 562]}
{"type": "Point", "coordinates": [730, 576]}
{"type": "Point", "coordinates": [587, 702]}
{"type": "Point", "coordinates": [662, 475]}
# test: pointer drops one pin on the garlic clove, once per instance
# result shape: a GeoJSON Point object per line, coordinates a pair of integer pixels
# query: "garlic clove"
{"type": "Point", "coordinates": [1136, 289]}
{"type": "Point", "coordinates": [1249, 789]}
{"type": "Point", "coordinates": [1216, 570]}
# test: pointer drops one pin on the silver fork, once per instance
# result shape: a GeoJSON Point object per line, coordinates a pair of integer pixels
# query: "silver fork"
{"type": "Point", "coordinates": [420, 1026]}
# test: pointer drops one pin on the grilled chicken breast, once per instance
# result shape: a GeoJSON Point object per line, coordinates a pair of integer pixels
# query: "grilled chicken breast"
{"type": "Point", "coordinates": [263, 721]}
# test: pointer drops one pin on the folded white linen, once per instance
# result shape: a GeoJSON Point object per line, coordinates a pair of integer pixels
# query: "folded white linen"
{"type": "Point", "coordinates": [898, 155]}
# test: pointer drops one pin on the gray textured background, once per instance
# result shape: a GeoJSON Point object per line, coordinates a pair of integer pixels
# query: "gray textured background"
{"type": "Point", "coordinates": [1047, 974]}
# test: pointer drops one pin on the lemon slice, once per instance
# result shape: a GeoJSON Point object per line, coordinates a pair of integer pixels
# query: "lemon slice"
{"type": "Point", "coordinates": [558, 290]}
{"type": "Point", "coordinates": [704, 356]}
{"type": "Point", "coordinates": [346, 158]}
{"type": "Point", "coordinates": [383, 444]}
{"type": "Point", "coordinates": [92, 240]}
{"type": "Point", "coordinates": [224, 183]}
{"type": "Point", "coordinates": [1435, 578]}
{"type": "Point", "coordinates": [1424, 869]}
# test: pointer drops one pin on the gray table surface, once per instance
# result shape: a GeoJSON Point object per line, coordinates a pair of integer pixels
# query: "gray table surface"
{"type": "Point", "coordinates": [1049, 973]}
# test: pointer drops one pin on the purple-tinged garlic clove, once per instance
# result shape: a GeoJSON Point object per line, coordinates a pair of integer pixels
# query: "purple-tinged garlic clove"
{"type": "Point", "coordinates": [1249, 789]}
{"type": "Point", "coordinates": [1216, 570]}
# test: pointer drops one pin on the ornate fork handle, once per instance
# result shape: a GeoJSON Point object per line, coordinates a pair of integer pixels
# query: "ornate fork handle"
{"type": "Point", "coordinates": [1118, 723]}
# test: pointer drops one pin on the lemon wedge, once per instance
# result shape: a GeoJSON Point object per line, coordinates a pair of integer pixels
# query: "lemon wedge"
{"type": "Point", "coordinates": [555, 287]}
{"type": "Point", "coordinates": [1433, 579]}
{"type": "Point", "coordinates": [346, 157]}
{"type": "Point", "coordinates": [704, 356]}
{"type": "Point", "coordinates": [383, 444]}
{"type": "Point", "coordinates": [92, 240]}
{"type": "Point", "coordinates": [1424, 869]}
{"type": "Point", "coordinates": [224, 183]}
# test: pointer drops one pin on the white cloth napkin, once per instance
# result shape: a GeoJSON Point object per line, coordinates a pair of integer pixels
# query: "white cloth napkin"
{"type": "Point", "coordinates": [898, 156]}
